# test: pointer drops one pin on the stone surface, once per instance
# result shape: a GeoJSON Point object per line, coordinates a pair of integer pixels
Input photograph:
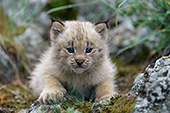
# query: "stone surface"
{"type": "Point", "coordinates": [153, 88]}
{"type": "Point", "coordinates": [36, 107]}
{"type": "Point", "coordinates": [6, 69]}
{"type": "Point", "coordinates": [95, 11]}
{"type": "Point", "coordinates": [3, 57]}
{"type": "Point", "coordinates": [30, 38]}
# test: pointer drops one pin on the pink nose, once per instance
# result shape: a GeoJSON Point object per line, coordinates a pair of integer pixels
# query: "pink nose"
{"type": "Point", "coordinates": [79, 61]}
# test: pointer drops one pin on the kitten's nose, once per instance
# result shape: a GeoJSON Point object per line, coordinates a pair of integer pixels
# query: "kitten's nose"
{"type": "Point", "coordinates": [79, 61]}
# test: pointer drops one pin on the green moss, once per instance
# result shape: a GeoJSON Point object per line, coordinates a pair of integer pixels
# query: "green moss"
{"type": "Point", "coordinates": [126, 74]}
{"type": "Point", "coordinates": [124, 104]}
{"type": "Point", "coordinates": [119, 104]}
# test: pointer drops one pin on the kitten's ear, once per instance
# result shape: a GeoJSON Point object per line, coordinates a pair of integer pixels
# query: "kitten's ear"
{"type": "Point", "coordinates": [57, 27]}
{"type": "Point", "coordinates": [102, 28]}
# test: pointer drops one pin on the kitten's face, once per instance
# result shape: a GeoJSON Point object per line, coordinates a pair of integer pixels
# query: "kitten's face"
{"type": "Point", "coordinates": [79, 55]}
{"type": "Point", "coordinates": [80, 45]}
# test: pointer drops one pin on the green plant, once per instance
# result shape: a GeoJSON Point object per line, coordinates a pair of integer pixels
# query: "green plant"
{"type": "Point", "coordinates": [13, 50]}
{"type": "Point", "coordinates": [155, 16]}
{"type": "Point", "coordinates": [17, 55]}
{"type": "Point", "coordinates": [71, 110]}
{"type": "Point", "coordinates": [22, 9]}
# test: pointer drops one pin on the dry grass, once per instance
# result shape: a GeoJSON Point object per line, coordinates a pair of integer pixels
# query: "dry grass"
{"type": "Point", "coordinates": [17, 55]}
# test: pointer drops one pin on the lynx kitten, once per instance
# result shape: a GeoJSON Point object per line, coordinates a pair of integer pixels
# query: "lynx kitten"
{"type": "Point", "coordinates": [77, 61]}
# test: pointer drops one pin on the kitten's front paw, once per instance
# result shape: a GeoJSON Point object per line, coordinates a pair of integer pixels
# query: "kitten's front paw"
{"type": "Point", "coordinates": [48, 96]}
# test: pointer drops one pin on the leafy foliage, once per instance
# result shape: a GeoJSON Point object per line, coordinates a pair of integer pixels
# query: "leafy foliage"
{"type": "Point", "coordinates": [154, 15]}
{"type": "Point", "coordinates": [13, 50]}
{"type": "Point", "coordinates": [17, 55]}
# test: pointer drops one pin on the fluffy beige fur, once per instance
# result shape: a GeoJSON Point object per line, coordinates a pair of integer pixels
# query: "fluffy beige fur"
{"type": "Point", "coordinates": [58, 73]}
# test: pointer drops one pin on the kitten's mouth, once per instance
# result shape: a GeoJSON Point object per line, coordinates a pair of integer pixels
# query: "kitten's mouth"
{"type": "Point", "coordinates": [79, 69]}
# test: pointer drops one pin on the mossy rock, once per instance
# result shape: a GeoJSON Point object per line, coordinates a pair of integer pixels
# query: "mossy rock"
{"type": "Point", "coordinates": [120, 104]}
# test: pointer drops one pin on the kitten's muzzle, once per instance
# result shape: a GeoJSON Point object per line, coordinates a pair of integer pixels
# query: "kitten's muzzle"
{"type": "Point", "coordinates": [79, 61]}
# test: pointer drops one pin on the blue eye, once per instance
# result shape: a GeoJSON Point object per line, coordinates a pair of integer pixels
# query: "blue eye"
{"type": "Point", "coordinates": [88, 50]}
{"type": "Point", "coordinates": [70, 50]}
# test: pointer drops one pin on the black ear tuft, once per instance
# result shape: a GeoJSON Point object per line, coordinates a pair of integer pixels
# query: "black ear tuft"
{"type": "Point", "coordinates": [52, 20]}
{"type": "Point", "coordinates": [57, 27]}
{"type": "Point", "coordinates": [106, 22]}
{"type": "Point", "coordinates": [55, 20]}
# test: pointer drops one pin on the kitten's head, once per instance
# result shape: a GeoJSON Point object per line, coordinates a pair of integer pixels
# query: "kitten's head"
{"type": "Point", "coordinates": [79, 46]}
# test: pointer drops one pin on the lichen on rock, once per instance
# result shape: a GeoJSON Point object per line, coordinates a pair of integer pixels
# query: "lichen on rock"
{"type": "Point", "coordinates": [153, 88]}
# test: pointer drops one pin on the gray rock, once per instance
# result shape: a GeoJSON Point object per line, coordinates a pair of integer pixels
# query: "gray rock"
{"type": "Point", "coordinates": [153, 88]}
{"type": "Point", "coordinates": [126, 37]}
{"type": "Point", "coordinates": [6, 69]}
{"type": "Point", "coordinates": [42, 25]}
{"type": "Point", "coordinates": [3, 57]}
{"type": "Point", "coordinates": [95, 11]}
{"type": "Point", "coordinates": [24, 111]}
{"type": "Point", "coordinates": [29, 39]}
{"type": "Point", "coordinates": [33, 43]}
{"type": "Point", "coordinates": [138, 83]}
{"type": "Point", "coordinates": [42, 108]}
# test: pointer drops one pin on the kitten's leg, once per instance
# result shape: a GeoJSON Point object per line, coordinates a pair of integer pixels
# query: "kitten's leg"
{"type": "Point", "coordinates": [104, 90]}
{"type": "Point", "coordinates": [103, 93]}
{"type": "Point", "coordinates": [53, 90]}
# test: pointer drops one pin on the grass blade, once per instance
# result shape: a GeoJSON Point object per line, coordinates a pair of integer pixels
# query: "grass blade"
{"type": "Point", "coordinates": [70, 6]}
{"type": "Point", "coordinates": [143, 40]}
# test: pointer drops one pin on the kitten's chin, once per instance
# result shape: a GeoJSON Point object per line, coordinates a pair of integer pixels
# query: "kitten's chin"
{"type": "Point", "coordinates": [79, 70]}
